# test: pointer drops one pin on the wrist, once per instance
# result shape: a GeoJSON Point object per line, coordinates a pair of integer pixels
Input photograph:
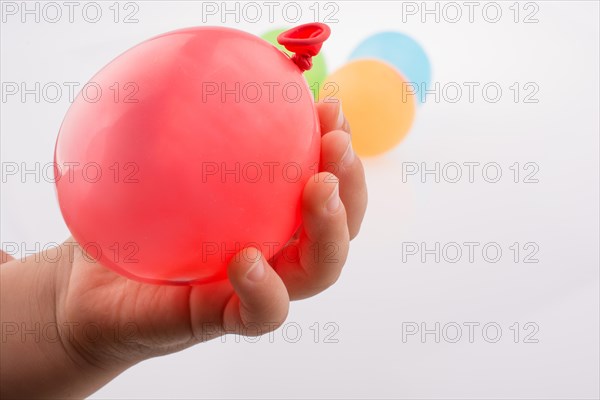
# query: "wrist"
{"type": "Point", "coordinates": [36, 343]}
{"type": "Point", "coordinates": [88, 340]}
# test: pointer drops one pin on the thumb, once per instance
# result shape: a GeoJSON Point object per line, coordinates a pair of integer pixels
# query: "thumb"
{"type": "Point", "coordinates": [261, 302]}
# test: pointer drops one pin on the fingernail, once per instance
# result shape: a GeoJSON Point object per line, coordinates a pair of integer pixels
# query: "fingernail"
{"type": "Point", "coordinates": [348, 156]}
{"type": "Point", "coordinates": [340, 118]}
{"type": "Point", "coordinates": [333, 202]}
{"type": "Point", "coordinates": [257, 271]}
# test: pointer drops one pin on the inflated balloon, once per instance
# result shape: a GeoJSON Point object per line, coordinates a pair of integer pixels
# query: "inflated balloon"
{"type": "Point", "coordinates": [401, 51]}
{"type": "Point", "coordinates": [375, 101]}
{"type": "Point", "coordinates": [316, 75]}
{"type": "Point", "coordinates": [187, 148]}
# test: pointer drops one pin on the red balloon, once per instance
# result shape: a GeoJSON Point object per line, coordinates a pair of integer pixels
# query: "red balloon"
{"type": "Point", "coordinates": [187, 148]}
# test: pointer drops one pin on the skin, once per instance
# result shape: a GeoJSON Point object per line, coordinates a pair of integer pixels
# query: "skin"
{"type": "Point", "coordinates": [93, 324]}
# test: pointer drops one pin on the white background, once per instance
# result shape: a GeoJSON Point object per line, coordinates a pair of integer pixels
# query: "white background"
{"type": "Point", "coordinates": [378, 293]}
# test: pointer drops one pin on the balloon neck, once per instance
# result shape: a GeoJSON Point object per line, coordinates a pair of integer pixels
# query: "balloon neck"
{"type": "Point", "coordinates": [305, 41]}
{"type": "Point", "coordinates": [303, 61]}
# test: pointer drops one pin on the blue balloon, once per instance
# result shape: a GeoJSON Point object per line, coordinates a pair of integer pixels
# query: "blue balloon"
{"type": "Point", "coordinates": [402, 52]}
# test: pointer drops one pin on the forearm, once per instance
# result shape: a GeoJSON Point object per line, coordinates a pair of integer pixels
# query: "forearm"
{"type": "Point", "coordinates": [36, 359]}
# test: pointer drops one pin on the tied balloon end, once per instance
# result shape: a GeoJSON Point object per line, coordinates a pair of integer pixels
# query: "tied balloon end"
{"type": "Point", "coordinates": [305, 41]}
{"type": "Point", "coordinates": [303, 61]}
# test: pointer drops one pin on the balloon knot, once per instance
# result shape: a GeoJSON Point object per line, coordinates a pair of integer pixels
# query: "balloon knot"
{"type": "Point", "coordinates": [305, 42]}
{"type": "Point", "coordinates": [303, 61]}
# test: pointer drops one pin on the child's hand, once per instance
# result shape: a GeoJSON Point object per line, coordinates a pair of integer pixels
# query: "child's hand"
{"type": "Point", "coordinates": [109, 323]}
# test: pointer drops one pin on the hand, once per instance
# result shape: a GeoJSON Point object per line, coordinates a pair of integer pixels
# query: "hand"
{"type": "Point", "coordinates": [114, 322]}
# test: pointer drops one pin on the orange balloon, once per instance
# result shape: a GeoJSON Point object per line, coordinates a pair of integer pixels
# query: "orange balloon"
{"type": "Point", "coordinates": [376, 101]}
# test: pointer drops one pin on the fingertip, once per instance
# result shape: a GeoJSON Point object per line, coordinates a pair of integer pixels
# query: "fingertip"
{"type": "Point", "coordinates": [324, 243]}
{"type": "Point", "coordinates": [323, 211]}
{"type": "Point", "coordinates": [246, 265]}
{"type": "Point", "coordinates": [338, 157]}
{"type": "Point", "coordinates": [322, 194]}
{"type": "Point", "coordinates": [337, 152]}
{"type": "Point", "coordinates": [263, 298]}
{"type": "Point", "coordinates": [331, 116]}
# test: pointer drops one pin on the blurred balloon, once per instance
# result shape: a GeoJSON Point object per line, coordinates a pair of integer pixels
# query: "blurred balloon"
{"type": "Point", "coordinates": [375, 101]}
{"type": "Point", "coordinates": [401, 51]}
{"type": "Point", "coordinates": [316, 75]}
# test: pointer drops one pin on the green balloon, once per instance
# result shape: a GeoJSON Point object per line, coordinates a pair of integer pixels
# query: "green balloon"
{"type": "Point", "coordinates": [316, 75]}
